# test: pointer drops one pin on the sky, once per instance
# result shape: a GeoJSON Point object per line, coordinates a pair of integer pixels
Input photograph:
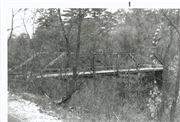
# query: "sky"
{"type": "Point", "coordinates": [18, 22]}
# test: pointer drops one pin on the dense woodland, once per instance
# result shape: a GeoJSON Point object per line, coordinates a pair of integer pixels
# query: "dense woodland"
{"type": "Point", "coordinates": [85, 39]}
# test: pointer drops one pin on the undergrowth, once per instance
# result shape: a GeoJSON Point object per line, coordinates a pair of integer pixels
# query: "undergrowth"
{"type": "Point", "coordinates": [102, 99]}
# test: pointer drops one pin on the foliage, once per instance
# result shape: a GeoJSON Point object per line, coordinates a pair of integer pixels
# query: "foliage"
{"type": "Point", "coordinates": [154, 102]}
{"type": "Point", "coordinates": [16, 46]}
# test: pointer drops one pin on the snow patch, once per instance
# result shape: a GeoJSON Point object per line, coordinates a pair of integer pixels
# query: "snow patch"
{"type": "Point", "coordinates": [27, 111]}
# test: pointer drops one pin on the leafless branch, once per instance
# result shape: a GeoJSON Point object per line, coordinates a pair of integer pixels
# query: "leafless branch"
{"type": "Point", "coordinates": [18, 11]}
{"type": "Point", "coordinates": [85, 10]}
{"type": "Point", "coordinates": [63, 29]}
{"type": "Point", "coordinates": [25, 27]}
{"type": "Point", "coordinates": [170, 22]}
{"type": "Point", "coordinates": [11, 27]}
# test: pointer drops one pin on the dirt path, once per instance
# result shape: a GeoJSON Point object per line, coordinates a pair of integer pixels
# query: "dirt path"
{"type": "Point", "coordinates": [26, 111]}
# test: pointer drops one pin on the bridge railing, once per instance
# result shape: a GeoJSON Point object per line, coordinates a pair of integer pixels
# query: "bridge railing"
{"type": "Point", "coordinates": [103, 61]}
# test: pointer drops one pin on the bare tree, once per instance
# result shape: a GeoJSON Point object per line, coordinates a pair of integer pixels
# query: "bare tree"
{"type": "Point", "coordinates": [78, 41]}
{"type": "Point", "coordinates": [174, 103]}
{"type": "Point", "coordinates": [165, 74]}
{"type": "Point", "coordinates": [176, 93]}
{"type": "Point", "coordinates": [66, 37]}
{"type": "Point", "coordinates": [12, 24]}
{"type": "Point", "coordinates": [30, 43]}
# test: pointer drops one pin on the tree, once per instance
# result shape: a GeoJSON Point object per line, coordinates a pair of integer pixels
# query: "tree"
{"type": "Point", "coordinates": [67, 35]}
{"type": "Point", "coordinates": [176, 92]}
{"type": "Point", "coordinates": [12, 23]}
{"type": "Point", "coordinates": [74, 23]}
{"type": "Point", "coordinates": [166, 61]}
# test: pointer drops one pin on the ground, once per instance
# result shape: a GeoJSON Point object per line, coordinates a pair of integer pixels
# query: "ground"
{"type": "Point", "coordinates": [13, 119]}
{"type": "Point", "coordinates": [27, 111]}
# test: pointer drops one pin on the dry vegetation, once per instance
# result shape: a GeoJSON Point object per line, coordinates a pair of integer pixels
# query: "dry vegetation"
{"type": "Point", "coordinates": [101, 99]}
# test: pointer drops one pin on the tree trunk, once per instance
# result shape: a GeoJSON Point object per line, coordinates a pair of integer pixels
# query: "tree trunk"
{"type": "Point", "coordinates": [78, 41]}
{"type": "Point", "coordinates": [66, 37]}
{"type": "Point", "coordinates": [174, 103]}
{"type": "Point", "coordinates": [165, 87]}
{"type": "Point", "coordinates": [173, 107]}
{"type": "Point", "coordinates": [11, 28]}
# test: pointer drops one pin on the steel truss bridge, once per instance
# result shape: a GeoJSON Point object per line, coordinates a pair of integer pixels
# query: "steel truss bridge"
{"type": "Point", "coordinates": [94, 64]}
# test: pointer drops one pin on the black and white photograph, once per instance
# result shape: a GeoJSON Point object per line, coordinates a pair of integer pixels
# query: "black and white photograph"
{"type": "Point", "coordinates": [92, 64]}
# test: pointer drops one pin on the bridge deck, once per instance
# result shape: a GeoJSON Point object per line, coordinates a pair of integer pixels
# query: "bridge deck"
{"type": "Point", "coordinates": [105, 72]}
